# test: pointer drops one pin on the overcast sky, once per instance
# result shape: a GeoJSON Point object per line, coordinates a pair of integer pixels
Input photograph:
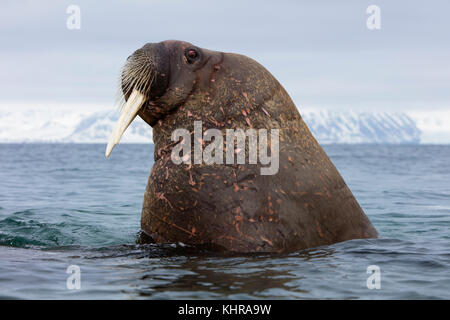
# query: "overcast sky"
{"type": "Point", "coordinates": [321, 51]}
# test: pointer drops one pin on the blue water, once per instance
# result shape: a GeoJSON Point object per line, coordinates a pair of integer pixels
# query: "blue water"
{"type": "Point", "coordinates": [65, 204]}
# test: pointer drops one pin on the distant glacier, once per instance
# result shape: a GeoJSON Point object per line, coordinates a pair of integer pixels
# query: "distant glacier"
{"type": "Point", "coordinates": [95, 127]}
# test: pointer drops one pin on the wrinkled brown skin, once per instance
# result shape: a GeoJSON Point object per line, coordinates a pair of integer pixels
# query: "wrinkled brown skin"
{"type": "Point", "coordinates": [233, 207]}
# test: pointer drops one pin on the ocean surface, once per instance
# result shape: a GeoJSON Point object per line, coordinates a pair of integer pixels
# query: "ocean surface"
{"type": "Point", "coordinates": [65, 204]}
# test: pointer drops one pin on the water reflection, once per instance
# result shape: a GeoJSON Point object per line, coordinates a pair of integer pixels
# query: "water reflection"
{"type": "Point", "coordinates": [250, 276]}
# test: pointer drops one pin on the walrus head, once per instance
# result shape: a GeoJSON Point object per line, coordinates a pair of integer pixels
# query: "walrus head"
{"type": "Point", "coordinates": [157, 79]}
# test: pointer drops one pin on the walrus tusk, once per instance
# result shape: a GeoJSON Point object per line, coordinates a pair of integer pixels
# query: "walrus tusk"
{"type": "Point", "coordinates": [129, 112]}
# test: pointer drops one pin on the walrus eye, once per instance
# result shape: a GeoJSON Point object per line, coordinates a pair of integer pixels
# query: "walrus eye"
{"type": "Point", "coordinates": [191, 55]}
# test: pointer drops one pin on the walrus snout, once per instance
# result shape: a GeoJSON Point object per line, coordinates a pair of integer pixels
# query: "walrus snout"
{"type": "Point", "coordinates": [147, 70]}
{"type": "Point", "coordinates": [144, 78]}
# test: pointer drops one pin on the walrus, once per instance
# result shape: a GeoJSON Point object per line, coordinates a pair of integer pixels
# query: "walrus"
{"type": "Point", "coordinates": [231, 206]}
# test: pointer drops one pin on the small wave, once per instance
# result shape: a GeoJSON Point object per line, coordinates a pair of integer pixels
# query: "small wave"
{"type": "Point", "coordinates": [20, 233]}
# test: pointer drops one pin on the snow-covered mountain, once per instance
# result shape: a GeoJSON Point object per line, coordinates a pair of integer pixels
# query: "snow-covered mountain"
{"type": "Point", "coordinates": [362, 127]}
{"type": "Point", "coordinates": [67, 126]}
{"type": "Point", "coordinates": [98, 127]}
{"type": "Point", "coordinates": [434, 125]}
{"type": "Point", "coordinates": [95, 127]}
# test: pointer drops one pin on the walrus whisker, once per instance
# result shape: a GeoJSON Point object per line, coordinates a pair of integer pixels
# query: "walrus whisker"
{"type": "Point", "coordinates": [138, 75]}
